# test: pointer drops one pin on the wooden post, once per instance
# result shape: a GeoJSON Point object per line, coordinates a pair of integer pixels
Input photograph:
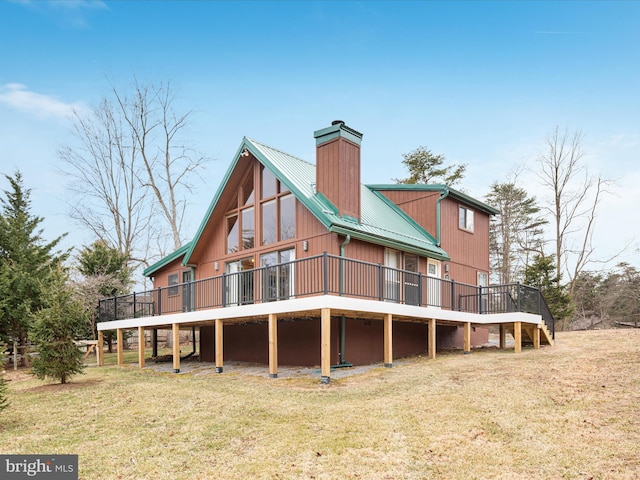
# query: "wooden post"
{"type": "Point", "coordinates": [273, 346]}
{"type": "Point", "coordinates": [119, 340]}
{"type": "Point", "coordinates": [141, 347]}
{"type": "Point", "coordinates": [176, 347]}
{"type": "Point", "coordinates": [517, 336]}
{"type": "Point", "coordinates": [388, 340]}
{"type": "Point", "coordinates": [503, 335]}
{"type": "Point", "coordinates": [536, 336]}
{"type": "Point", "coordinates": [467, 338]}
{"type": "Point", "coordinates": [325, 344]}
{"type": "Point", "coordinates": [218, 346]}
{"type": "Point", "coordinates": [100, 348]}
{"type": "Point", "coordinates": [431, 344]}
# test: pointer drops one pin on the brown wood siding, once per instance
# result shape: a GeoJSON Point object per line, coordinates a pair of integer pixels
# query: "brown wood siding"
{"type": "Point", "coordinates": [161, 277]}
{"type": "Point", "coordinates": [421, 206]}
{"type": "Point", "coordinates": [338, 175]}
{"type": "Point", "coordinates": [469, 251]}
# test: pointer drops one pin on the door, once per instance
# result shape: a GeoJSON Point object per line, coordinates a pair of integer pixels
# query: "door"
{"type": "Point", "coordinates": [411, 280]}
{"type": "Point", "coordinates": [392, 275]}
{"type": "Point", "coordinates": [277, 277]}
{"type": "Point", "coordinates": [239, 281]}
{"type": "Point", "coordinates": [483, 292]}
{"type": "Point", "coordinates": [187, 291]}
{"type": "Point", "coordinates": [433, 283]}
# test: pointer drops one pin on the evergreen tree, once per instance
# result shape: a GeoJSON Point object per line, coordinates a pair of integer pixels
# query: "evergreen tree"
{"type": "Point", "coordinates": [425, 167]}
{"type": "Point", "coordinates": [105, 273]}
{"type": "Point", "coordinates": [56, 327]}
{"type": "Point", "coordinates": [542, 274]}
{"type": "Point", "coordinates": [25, 262]}
{"type": "Point", "coordinates": [515, 235]}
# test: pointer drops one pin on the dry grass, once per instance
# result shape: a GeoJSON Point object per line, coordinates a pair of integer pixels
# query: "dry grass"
{"type": "Point", "coordinates": [571, 411]}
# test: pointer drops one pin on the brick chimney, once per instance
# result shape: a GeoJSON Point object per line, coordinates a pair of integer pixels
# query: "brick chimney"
{"type": "Point", "coordinates": [338, 167]}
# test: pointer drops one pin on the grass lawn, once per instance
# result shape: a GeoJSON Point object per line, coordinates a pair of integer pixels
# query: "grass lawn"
{"type": "Point", "coordinates": [571, 411]}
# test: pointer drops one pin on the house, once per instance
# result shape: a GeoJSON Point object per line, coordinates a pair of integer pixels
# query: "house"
{"type": "Point", "coordinates": [301, 264]}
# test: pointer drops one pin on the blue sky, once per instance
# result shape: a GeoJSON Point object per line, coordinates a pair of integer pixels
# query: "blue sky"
{"type": "Point", "coordinates": [482, 83]}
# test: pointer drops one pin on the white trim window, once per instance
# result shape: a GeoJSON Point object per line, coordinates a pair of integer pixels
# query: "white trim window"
{"type": "Point", "coordinates": [465, 216]}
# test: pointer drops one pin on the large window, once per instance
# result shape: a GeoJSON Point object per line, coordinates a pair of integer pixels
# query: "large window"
{"type": "Point", "coordinates": [277, 283]}
{"type": "Point", "coordinates": [241, 221]}
{"type": "Point", "coordinates": [465, 218]}
{"type": "Point", "coordinates": [278, 208]}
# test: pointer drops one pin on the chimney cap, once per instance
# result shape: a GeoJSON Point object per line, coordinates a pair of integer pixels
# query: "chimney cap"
{"type": "Point", "coordinates": [337, 129]}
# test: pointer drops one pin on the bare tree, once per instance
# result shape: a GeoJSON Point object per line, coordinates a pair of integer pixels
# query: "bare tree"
{"type": "Point", "coordinates": [576, 196]}
{"type": "Point", "coordinates": [131, 167]}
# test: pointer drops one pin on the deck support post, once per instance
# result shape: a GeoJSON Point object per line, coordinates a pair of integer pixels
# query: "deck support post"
{"type": "Point", "coordinates": [273, 346]}
{"type": "Point", "coordinates": [325, 344]}
{"type": "Point", "coordinates": [431, 344]}
{"type": "Point", "coordinates": [120, 346]}
{"type": "Point", "coordinates": [175, 330]}
{"type": "Point", "coordinates": [100, 348]}
{"type": "Point", "coordinates": [219, 364]}
{"type": "Point", "coordinates": [467, 338]}
{"type": "Point", "coordinates": [517, 336]}
{"type": "Point", "coordinates": [388, 340]}
{"type": "Point", "coordinates": [536, 336]}
{"type": "Point", "coordinates": [503, 336]}
{"type": "Point", "coordinates": [141, 345]}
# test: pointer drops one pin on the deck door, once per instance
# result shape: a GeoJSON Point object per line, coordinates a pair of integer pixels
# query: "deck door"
{"type": "Point", "coordinates": [239, 281]}
{"type": "Point", "coordinates": [392, 275]}
{"type": "Point", "coordinates": [187, 291]}
{"type": "Point", "coordinates": [277, 275]}
{"type": "Point", "coordinates": [411, 280]}
{"type": "Point", "coordinates": [433, 283]}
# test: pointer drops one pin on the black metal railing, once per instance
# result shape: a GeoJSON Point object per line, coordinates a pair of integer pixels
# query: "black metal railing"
{"type": "Point", "coordinates": [326, 275]}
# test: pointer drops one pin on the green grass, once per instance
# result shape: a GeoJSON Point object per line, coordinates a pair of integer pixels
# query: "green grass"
{"type": "Point", "coordinates": [570, 411]}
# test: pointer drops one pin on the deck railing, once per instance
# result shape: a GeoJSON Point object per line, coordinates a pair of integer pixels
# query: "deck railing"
{"type": "Point", "coordinates": [326, 275]}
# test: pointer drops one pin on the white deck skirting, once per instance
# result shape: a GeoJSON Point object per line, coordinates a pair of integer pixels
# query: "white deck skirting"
{"type": "Point", "coordinates": [315, 304]}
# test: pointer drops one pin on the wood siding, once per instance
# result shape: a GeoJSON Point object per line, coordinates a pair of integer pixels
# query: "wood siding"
{"type": "Point", "coordinates": [338, 175]}
{"type": "Point", "coordinates": [469, 252]}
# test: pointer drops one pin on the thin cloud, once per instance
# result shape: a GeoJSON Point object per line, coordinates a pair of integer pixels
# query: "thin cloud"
{"type": "Point", "coordinates": [19, 97]}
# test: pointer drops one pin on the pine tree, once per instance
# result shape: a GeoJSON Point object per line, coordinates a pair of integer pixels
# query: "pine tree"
{"type": "Point", "coordinates": [56, 327]}
{"type": "Point", "coordinates": [25, 262]}
{"type": "Point", "coordinates": [425, 167]}
{"type": "Point", "coordinates": [541, 273]}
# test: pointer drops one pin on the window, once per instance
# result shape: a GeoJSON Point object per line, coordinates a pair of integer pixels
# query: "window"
{"type": "Point", "coordinates": [248, 229]}
{"type": "Point", "coordinates": [232, 234]}
{"type": "Point", "coordinates": [241, 217]}
{"type": "Point", "coordinates": [173, 284]}
{"type": "Point", "coordinates": [269, 218]}
{"type": "Point", "coordinates": [278, 208]}
{"type": "Point", "coordinates": [465, 218]}
{"type": "Point", "coordinates": [287, 217]}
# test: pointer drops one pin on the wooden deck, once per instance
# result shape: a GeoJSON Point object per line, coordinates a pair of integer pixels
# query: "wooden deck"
{"type": "Point", "coordinates": [323, 307]}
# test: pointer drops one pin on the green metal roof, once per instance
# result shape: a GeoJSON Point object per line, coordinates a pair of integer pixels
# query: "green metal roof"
{"type": "Point", "coordinates": [381, 221]}
{"type": "Point", "coordinates": [457, 194]}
